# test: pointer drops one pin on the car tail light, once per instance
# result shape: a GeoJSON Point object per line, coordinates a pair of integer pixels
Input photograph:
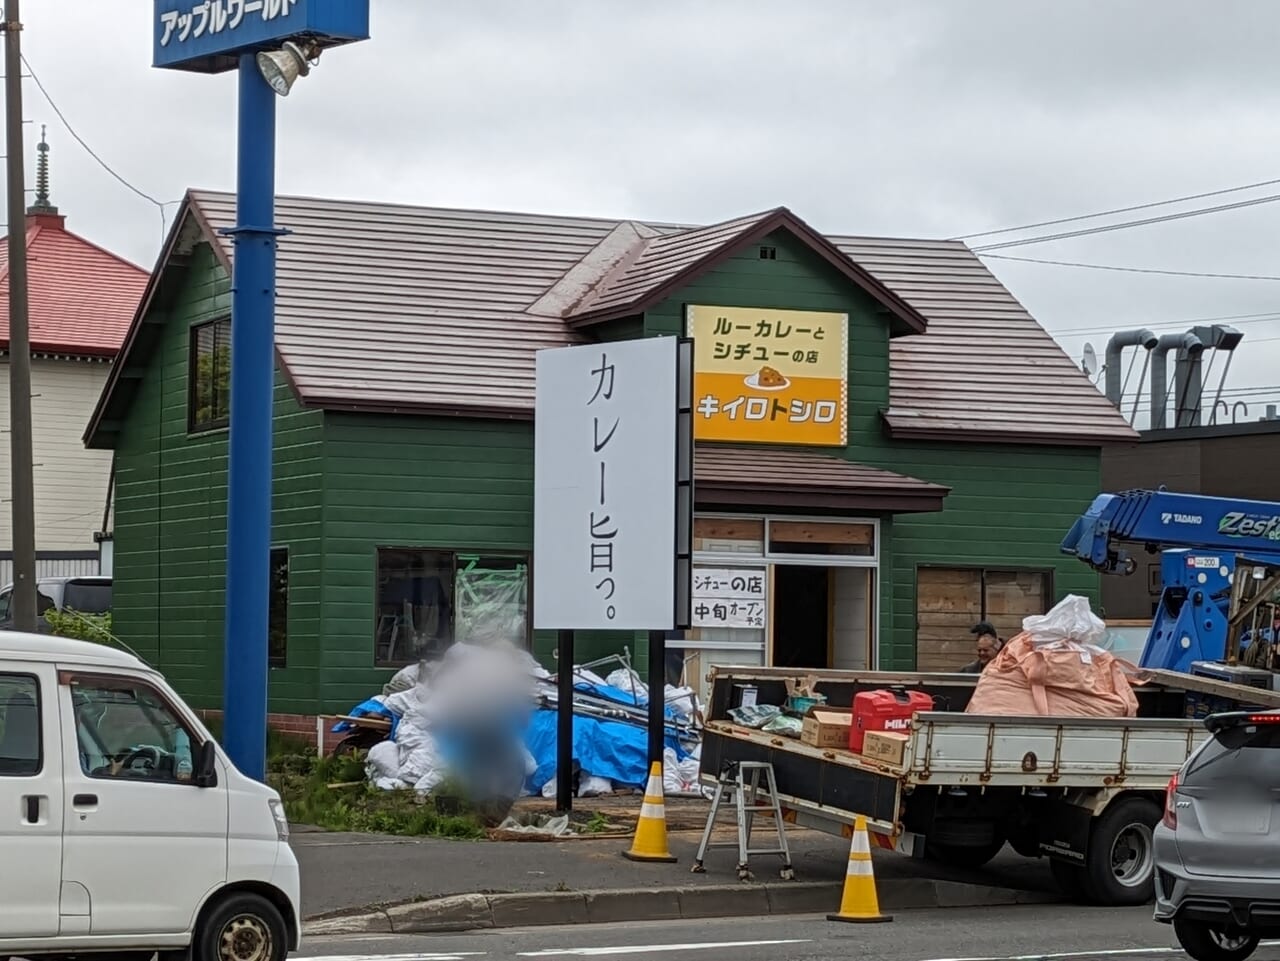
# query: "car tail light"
{"type": "Point", "coordinates": [1264, 718]}
{"type": "Point", "coordinates": [1170, 812]}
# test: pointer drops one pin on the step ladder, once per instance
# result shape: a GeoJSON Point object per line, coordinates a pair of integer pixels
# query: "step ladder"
{"type": "Point", "coordinates": [742, 780]}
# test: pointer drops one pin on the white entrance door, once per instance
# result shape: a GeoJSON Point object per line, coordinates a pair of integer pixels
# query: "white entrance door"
{"type": "Point", "coordinates": [131, 809]}
{"type": "Point", "coordinates": [30, 801]}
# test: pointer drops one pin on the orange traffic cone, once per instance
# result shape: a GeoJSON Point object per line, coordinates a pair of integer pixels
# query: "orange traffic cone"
{"type": "Point", "coordinates": [650, 843]}
{"type": "Point", "coordinates": [859, 902]}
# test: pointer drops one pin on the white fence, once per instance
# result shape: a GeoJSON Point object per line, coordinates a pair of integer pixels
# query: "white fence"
{"type": "Point", "coordinates": [64, 564]}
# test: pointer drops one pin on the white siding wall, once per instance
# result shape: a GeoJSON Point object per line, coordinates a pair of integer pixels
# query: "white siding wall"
{"type": "Point", "coordinates": [70, 481]}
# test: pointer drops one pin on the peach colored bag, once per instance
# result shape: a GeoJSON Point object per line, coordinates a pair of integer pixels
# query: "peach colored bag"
{"type": "Point", "coordinates": [1054, 669]}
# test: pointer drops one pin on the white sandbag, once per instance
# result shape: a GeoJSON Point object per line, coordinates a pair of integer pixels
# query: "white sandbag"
{"type": "Point", "coordinates": [530, 763]}
{"type": "Point", "coordinates": [1071, 619]}
{"type": "Point", "coordinates": [406, 701]}
{"type": "Point", "coordinates": [389, 784]}
{"type": "Point", "coordinates": [629, 681]}
{"type": "Point", "coordinates": [592, 786]}
{"type": "Point", "coordinates": [680, 700]}
{"type": "Point", "coordinates": [688, 770]}
{"type": "Point", "coordinates": [549, 789]}
{"type": "Point", "coordinates": [403, 680]}
{"type": "Point", "coordinates": [671, 783]}
{"type": "Point", "coordinates": [429, 781]}
{"type": "Point", "coordinates": [383, 761]}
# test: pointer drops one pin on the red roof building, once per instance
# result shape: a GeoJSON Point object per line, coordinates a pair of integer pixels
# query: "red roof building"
{"type": "Point", "coordinates": [81, 301]}
{"type": "Point", "coordinates": [81, 298]}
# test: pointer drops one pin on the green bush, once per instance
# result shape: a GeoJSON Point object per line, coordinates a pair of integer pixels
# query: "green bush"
{"type": "Point", "coordinates": [304, 780]}
{"type": "Point", "coordinates": [81, 627]}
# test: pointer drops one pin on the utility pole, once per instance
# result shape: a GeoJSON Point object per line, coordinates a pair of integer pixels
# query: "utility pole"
{"type": "Point", "coordinates": [24, 521]}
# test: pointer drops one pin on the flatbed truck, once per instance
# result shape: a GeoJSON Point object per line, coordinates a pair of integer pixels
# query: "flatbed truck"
{"type": "Point", "coordinates": [1084, 792]}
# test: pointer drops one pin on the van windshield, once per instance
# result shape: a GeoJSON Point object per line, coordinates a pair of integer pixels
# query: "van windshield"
{"type": "Point", "coordinates": [87, 597]}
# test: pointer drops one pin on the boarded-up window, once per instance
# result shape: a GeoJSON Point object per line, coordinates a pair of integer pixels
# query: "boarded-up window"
{"type": "Point", "coordinates": [949, 601]}
{"type": "Point", "coordinates": [728, 535]}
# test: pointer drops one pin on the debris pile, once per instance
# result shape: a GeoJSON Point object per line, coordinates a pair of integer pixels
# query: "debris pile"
{"type": "Point", "coordinates": [488, 712]}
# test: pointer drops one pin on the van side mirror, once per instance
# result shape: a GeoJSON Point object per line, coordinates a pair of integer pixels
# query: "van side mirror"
{"type": "Point", "coordinates": [206, 767]}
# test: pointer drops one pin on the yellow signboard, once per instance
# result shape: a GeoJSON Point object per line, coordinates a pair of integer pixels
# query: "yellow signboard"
{"type": "Point", "coordinates": [770, 376]}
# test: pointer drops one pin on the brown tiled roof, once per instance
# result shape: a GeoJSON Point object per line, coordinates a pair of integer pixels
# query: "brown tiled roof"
{"type": "Point", "coordinates": [396, 308]}
{"type": "Point", "coordinates": [663, 264]}
{"type": "Point", "coordinates": [773, 477]}
{"type": "Point", "coordinates": [985, 365]}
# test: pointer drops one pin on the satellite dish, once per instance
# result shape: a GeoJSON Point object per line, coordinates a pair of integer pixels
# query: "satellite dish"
{"type": "Point", "coordinates": [1090, 363]}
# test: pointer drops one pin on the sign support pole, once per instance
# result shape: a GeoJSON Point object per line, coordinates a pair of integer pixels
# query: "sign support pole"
{"type": "Point", "coordinates": [657, 695]}
{"type": "Point", "coordinates": [249, 444]}
{"type": "Point", "coordinates": [564, 721]}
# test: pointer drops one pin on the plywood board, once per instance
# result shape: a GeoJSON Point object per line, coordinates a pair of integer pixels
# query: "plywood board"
{"type": "Point", "coordinates": [815, 532]}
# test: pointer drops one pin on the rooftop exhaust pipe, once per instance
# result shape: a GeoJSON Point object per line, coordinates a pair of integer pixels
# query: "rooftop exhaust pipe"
{"type": "Point", "coordinates": [1115, 348]}
{"type": "Point", "coordinates": [1188, 342]}
{"type": "Point", "coordinates": [1188, 378]}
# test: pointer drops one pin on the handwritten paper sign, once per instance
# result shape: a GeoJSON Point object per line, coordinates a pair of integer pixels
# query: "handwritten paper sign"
{"type": "Point", "coordinates": [729, 597]}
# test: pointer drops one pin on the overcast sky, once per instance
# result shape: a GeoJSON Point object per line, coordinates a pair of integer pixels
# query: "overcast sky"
{"type": "Point", "coordinates": [925, 118]}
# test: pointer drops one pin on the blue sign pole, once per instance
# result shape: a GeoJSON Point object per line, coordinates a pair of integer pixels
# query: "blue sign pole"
{"type": "Point", "coordinates": [253, 300]}
{"type": "Point", "coordinates": [217, 36]}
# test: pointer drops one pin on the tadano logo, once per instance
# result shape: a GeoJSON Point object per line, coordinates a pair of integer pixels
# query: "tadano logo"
{"type": "Point", "coordinates": [1171, 518]}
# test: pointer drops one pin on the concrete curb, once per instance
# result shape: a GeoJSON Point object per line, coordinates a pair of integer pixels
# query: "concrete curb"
{"type": "Point", "coordinates": [470, 912]}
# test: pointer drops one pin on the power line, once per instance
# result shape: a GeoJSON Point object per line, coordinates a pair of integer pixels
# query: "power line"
{"type": "Point", "coordinates": [1131, 270]}
{"type": "Point", "coordinates": [1118, 210]}
{"type": "Point", "coordinates": [160, 204]}
{"type": "Point", "coordinates": [1167, 326]}
{"type": "Point", "coordinates": [1124, 225]}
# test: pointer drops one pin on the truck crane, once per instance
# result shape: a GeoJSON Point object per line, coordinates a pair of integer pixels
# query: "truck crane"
{"type": "Point", "coordinates": [1203, 542]}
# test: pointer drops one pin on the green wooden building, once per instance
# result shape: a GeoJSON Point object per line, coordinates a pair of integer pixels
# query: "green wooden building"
{"type": "Point", "coordinates": [402, 515]}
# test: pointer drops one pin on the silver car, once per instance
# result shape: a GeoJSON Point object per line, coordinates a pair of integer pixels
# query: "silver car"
{"type": "Point", "coordinates": [1217, 850]}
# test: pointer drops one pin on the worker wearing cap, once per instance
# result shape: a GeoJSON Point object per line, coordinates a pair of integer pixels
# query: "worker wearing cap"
{"type": "Point", "coordinates": [989, 644]}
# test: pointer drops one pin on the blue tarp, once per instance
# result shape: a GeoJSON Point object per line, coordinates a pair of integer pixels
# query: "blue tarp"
{"type": "Point", "coordinates": [608, 749]}
{"type": "Point", "coordinates": [370, 708]}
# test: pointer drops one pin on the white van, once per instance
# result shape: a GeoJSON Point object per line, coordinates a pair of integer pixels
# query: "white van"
{"type": "Point", "coordinates": [123, 826]}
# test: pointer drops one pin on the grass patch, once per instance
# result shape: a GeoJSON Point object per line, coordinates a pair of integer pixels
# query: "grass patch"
{"type": "Point", "coordinates": [304, 782]}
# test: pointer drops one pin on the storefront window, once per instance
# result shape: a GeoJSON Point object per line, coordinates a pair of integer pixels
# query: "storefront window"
{"type": "Point", "coordinates": [429, 599]}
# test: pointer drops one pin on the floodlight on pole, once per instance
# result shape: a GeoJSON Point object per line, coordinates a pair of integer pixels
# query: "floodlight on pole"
{"type": "Point", "coordinates": [281, 68]}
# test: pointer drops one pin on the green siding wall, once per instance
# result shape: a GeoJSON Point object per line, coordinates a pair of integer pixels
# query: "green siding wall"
{"type": "Point", "coordinates": [171, 518]}
{"type": "Point", "coordinates": [417, 482]}
{"type": "Point", "coordinates": [1010, 505]}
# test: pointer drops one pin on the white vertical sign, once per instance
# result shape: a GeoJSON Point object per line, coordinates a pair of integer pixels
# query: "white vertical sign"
{"type": "Point", "coordinates": [604, 527]}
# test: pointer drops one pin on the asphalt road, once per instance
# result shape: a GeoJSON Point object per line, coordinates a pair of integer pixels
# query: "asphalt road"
{"type": "Point", "coordinates": [348, 871]}
{"type": "Point", "coordinates": [1026, 933]}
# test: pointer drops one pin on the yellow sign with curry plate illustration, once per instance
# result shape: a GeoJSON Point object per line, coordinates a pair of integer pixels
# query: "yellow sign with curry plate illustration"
{"type": "Point", "coordinates": [766, 376]}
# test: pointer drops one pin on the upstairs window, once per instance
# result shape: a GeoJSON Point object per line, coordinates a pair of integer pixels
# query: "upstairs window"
{"type": "Point", "coordinates": [209, 377]}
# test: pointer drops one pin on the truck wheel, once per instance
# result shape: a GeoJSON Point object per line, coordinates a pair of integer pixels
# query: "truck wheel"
{"type": "Point", "coordinates": [1207, 942]}
{"type": "Point", "coordinates": [242, 927]}
{"type": "Point", "coordinates": [1120, 866]}
{"type": "Point", "coordinates": [1070, 879]}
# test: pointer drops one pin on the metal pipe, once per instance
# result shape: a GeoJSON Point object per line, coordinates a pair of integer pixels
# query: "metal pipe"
{"type": "Point", "coordinates": [253, 298]}
{"type": "Point", "coordinates": [1160, 372]}
{"type": "Point", "coordinates": [23, 482]}
{"type": "Point", "coordinates": [1115, 348]}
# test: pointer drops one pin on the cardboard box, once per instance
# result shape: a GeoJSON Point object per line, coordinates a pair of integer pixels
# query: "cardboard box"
{"type": "Point", "coordinates": [824, 727]}
{"type": "Point", "coordinates": [885, 747]}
